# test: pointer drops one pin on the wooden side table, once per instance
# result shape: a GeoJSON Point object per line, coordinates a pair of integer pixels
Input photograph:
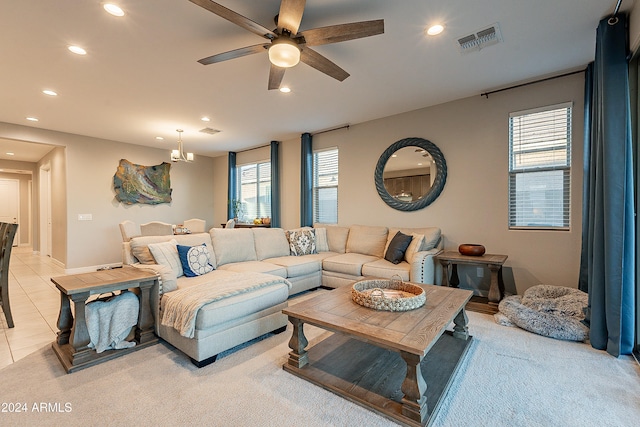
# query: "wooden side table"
{"type": "Point", "coordinates": [72, 343]}
{"type": "Point", "coordinates": [491, 261]}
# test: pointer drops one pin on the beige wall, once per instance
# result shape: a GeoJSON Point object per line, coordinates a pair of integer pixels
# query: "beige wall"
{"type": "Point", "coordinates": [55, 162]}
{"type": "Point", "coordinates": [472, 133]}
{"type": "Point", "coordinates": [88, 165]}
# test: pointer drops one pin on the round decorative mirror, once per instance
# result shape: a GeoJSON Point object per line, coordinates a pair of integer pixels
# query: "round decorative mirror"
{"type": "Point", "coordinates": [410, 174]}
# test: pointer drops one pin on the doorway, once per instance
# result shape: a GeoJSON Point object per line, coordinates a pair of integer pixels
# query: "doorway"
{"type": "Point", "coordinates": [10, 208]}
{"type": "Point", "coordinates": [45, 210]}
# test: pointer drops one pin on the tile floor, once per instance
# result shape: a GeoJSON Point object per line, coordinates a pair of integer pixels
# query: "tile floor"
{"type": "Point", "coordinates": [35, 303]}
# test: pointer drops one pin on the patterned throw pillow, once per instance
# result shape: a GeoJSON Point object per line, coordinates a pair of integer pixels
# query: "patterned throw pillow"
{"type": "Point", "coordinates": [302, 242]}
{"type": "Point", "coordinates": [195, 260]}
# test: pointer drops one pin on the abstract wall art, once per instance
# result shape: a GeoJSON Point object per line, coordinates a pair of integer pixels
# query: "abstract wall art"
{"type": "Point", "coordinates": [142, 184]}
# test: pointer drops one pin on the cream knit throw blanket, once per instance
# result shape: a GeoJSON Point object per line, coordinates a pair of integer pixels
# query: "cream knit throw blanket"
{"type": "Point", "coordinates": [180, 307]}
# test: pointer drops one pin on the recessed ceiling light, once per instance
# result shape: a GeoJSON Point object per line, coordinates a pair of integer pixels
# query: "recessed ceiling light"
{"type": "Point", "coordinates": [113, 9]}
{"type": "Point", "coordinates": [32, 119]}
{"type": "Point", "coordinates": [285, 89]}
{"type": "Point", "coordinates": [77, 50]}
{"type": "Point", "coordinates": [419, 164]}
{"type": "Point", "coordinates": [434, 30]}
{"type": "Point", "coordinates": [49, 92]}
{"type": "Point", "coordinates": [394, 155]}
{"type": "Point", "coordinates": [159, 138]}
{"type": "Point", "coordinates": [205, 119]}
{"type": "Point", "coordinates": [9, 153]}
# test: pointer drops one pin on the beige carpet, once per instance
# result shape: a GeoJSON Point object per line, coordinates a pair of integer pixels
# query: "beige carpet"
{"type": "Point", "coordinates": [511, 378]}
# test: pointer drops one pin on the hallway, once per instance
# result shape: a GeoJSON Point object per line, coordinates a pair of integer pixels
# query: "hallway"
{"type": "Point", "coordinates": [35, 303]}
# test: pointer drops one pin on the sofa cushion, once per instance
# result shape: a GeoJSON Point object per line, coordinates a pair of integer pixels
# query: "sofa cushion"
{"type": "Point", "coordinates": [195, 260]}
{"type": "Point", "coordinates": [350, 263]}
{"type": "Point", "coordinates": [367, 240]}
{"type": "Point", "coordinates": [255, 267]}
{"type": "Point", "coordinates": [397, 247]}
{"type": "Point", "coordinates": [270, 242]}
{"type": "Point", "coordinates": [416, 243]}
{"type": "Point", "coordinates": [386, 269]}
{"type": "Point", "coordinates": [336, 237]}
{"type": "Point", "coordinates": [166, 253]}
{"type": "Point", "coordinates": [302, 242]}
{"type": "Point", "coordinates": [298, 265]}
{"type": "Point", "coordinates": [322, 244]}
{"type": "Point", "coordinates": [431, 235]}
{"type": "Point", "coordinates": [233, 245]}
{"type": "Point", "coordinates": [236, 307]}
{"type": "Point", "coordinates": [140, 245]}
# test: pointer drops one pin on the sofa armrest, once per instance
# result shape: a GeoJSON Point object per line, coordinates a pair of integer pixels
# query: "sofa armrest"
{"type": "Point", "coordinates": [425, 268]}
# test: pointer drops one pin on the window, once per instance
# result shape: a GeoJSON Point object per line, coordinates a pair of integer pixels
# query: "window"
{"type": "Point", "coordinates": [255, 190]}
{"type": "Point", "coordinates": [325, 186]}
{"type": "Point", "coordinates": [540, 168]}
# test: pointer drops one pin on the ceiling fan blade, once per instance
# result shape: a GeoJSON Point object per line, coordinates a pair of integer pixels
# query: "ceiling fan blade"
{"type": "Point", "coordinates": [342, 32]}
{"type": "Point", "coordinates": [275, 77]}
{"type": "Point", "coordinates": [290, 15]}
{"type": "Point", "coordinates": [235, 17]}
{"type": "Point", "coordinates": [232, 54]}
{"type": "Point", "coordinates": [320, 63]}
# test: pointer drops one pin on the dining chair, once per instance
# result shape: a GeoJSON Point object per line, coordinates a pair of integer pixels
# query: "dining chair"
{"type": "Point", "coordinates": [195, 225]}
{"type": "Point", "coordinates": [156, 228]}
{"type": "Point", "coordinates": [7, 234]}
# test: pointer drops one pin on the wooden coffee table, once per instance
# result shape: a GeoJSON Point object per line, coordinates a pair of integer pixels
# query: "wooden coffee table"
{"type": "Point", "coordinates": [379, 359]}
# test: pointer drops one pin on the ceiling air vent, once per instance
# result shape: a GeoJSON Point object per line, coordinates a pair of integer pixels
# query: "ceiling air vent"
{"type": "Point", "coordinates": [210, 131]}
{"type": "Point", "coordinates": [480, 39]}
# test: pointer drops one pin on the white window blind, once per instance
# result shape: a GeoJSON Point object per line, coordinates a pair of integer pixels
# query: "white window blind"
{"type": "Point", "coordinates": [325, 186]}
{"type": "Point", "coordinates": [540, 168]}
{"type": "Point", "coordinates": [255, 190]}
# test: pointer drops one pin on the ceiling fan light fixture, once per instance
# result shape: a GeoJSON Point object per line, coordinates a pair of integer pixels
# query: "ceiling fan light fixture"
{"type": "Point", "coordinates": [284, 53]}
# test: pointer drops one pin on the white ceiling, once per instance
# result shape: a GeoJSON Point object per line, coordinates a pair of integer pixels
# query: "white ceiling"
{"type": "Point", "coordinates": [140, 78]}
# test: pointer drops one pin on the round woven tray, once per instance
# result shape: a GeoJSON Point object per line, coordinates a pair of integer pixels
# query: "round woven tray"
{"type": "Point", "coordinates": [389, 295]}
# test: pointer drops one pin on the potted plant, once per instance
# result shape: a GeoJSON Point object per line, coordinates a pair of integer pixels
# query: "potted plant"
{"type": "Point", "coordinates": [237, 207]}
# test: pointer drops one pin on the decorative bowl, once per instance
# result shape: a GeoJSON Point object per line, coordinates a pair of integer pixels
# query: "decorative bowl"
{"type": "Point", "coordinates": [388, 295]}
{"type": "Point", "coordinates": [471, 249]}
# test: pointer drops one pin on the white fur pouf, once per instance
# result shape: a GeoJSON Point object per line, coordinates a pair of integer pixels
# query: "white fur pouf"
{"type": "Point", "coordinates": [551, 311]}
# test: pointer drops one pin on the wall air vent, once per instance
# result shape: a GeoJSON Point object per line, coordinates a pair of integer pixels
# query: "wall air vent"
{"type": "Point", "coordinates": [480, 39]}
{"type": "Point", "coordinates": [210, 131]}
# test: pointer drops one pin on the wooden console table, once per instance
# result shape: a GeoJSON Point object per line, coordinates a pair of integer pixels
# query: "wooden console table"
{"type": "Point", "coordinates": [493, 262]}
{"type": "Point", "coordinates": [72, 343]}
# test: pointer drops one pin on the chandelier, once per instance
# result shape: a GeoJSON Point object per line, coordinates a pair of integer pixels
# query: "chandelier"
{"type": "Point", "coordinates": [179, 155]}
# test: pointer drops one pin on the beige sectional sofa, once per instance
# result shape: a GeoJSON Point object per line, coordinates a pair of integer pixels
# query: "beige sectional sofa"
{"type": "Point", "coordinates": [254, 273]}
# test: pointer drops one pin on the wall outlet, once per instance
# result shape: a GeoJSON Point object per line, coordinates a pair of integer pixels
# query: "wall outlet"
{"type": "Point", "coordinates": [480, 271]}
{"type": "Point", "coordinates": [85, 217]}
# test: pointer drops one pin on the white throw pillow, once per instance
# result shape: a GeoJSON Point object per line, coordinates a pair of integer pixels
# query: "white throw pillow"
{"type": "Point", "coordinates": [166, 253]}
{"type": "Point", "coordinates": [414, 246]}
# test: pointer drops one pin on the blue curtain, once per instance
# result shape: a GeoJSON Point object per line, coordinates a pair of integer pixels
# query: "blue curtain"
{"type": "Point", "coordinates": [609, 236]}
{"type": "Point", "coordinates": [232, 191]}
{"type": "Point", "coordinates": [306, 181]}
{"type": "Point", "coordinates": [275, 184]}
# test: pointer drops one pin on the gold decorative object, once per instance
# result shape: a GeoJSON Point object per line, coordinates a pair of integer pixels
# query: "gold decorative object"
{"type": "Point", "coordinates": [388, 295]}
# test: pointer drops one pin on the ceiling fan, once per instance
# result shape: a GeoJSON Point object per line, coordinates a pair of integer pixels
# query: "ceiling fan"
{"type": "Point", "coordinates": [287, 46]}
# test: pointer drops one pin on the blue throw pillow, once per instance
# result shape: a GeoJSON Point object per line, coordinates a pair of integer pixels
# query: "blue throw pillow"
{"type": "Point", "coordinates": [195, 260]}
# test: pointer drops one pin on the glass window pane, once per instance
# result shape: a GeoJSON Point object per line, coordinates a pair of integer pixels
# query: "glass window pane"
{"type": "Point", "coordinates": [540, 168]}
